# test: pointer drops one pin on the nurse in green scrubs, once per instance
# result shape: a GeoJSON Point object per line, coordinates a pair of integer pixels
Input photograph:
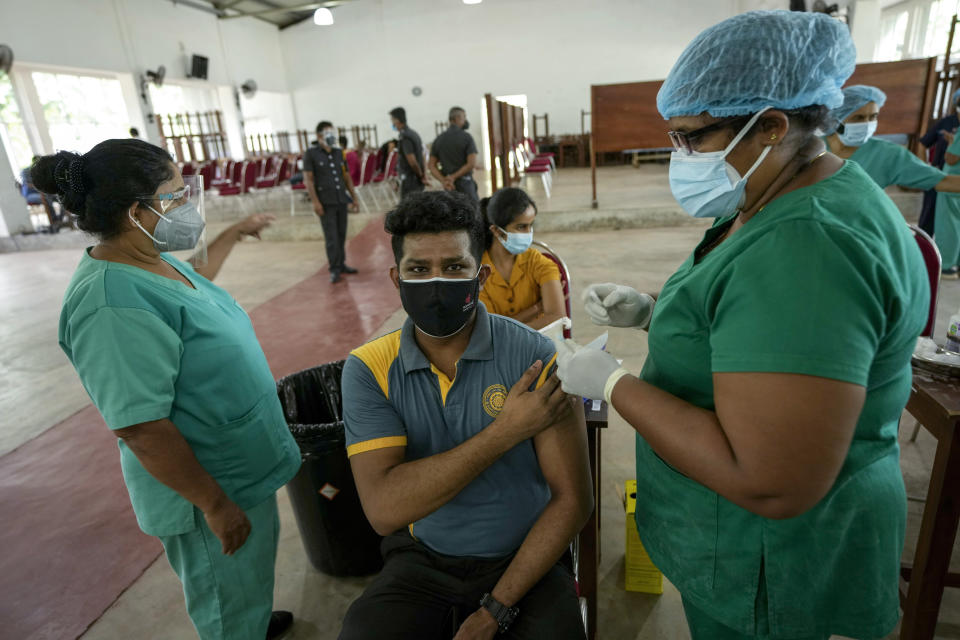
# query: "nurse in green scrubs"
{"type": "Point", "coordinates": [947, 224]}
{"type": "Point", "coordinates": [768, 480]}
{"type": "Point", "coordinates": [173, 365]}
{"type": "Point", "coordinates": [888, 164]}
{"type": "Point", "coordinates": [850, 137]}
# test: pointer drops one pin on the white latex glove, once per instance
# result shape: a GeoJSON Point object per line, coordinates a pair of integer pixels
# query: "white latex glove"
{"type": "Point", "coordinates": [585, 372]}
{"type": "Point", "coordinates": [618, 305]}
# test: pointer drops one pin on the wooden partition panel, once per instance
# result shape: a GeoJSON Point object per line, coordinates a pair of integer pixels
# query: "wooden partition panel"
{"type": "Point", "coordinates": [624, 116]}
{"type": "Point", "coordinates": [910, 86]}
{"type": "Point", "coordinates": [494, 135]}
{"type": "Point", "coordinates": [504, 134]}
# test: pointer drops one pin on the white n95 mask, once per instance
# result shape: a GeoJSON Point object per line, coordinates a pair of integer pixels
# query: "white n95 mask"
{"type": "Point", "coordinates": [705, 184]}
{"type": "Point", "coordinates": [856, 134]}
{"type": "Point", "coordinates": [178, 229]}
{"type": "Point", "coordinates": [182, 222]}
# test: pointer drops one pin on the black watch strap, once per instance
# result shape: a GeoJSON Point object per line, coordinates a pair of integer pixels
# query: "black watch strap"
{"type": "Point", "coordinates": [503, 614]}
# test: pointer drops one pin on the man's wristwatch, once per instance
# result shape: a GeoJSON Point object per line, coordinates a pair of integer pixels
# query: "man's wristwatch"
{"type": "Point", "coordinates": [503, 614]}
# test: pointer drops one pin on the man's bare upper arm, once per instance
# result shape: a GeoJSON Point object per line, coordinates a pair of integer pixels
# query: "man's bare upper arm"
{"type": "Point", "coordinates": [562, 453]}
{"type": "Point", "coordinates": [370, 467]}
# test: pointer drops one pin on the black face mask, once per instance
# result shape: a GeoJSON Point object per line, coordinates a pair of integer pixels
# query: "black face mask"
{"type": "Point", "coordinates": [466, 125]}
{"type": "Point", "coordinates": [440, 307]}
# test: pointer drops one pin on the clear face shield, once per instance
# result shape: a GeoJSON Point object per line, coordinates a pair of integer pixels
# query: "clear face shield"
{"type": "Point", "coordinates": [181, 229]}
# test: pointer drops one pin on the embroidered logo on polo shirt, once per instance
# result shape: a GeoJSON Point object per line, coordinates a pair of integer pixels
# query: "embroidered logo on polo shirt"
{"type": "Point", "coordinates": [493, 399]}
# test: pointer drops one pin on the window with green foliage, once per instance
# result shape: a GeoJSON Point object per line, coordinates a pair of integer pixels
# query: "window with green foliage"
{"type": "Point", "coordinates": [12, 132]}
{"type": "Point", "coordinates": [916, 29]}
{"type": "Point", "coordinates": [81, 111]}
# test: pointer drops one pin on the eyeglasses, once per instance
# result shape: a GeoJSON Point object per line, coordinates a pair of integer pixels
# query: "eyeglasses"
{"type": "Point", "coordinates": [684, 141]}
{"type": "Point", "coordinates": [169, 200]}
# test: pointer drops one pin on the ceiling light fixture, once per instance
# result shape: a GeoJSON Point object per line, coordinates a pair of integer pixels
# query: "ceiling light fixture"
{"type": "Point", "coordinates": [323, 17]}
{"type": "Point", "coordinates": [472, 1]}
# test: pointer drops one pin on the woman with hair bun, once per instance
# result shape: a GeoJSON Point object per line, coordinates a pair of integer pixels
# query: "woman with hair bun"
{"type": "Point", "coordinates": [173, 365]}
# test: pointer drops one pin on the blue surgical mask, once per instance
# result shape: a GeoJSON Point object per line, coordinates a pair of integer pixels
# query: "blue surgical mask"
{"type": "Point", "coordinates": [705, 184]}
{"type": "Point", "coordinates": [516, 243]}
{"type": "Point", "coordinates": [178, 229]}
{"type": "Point", "coordinates": [856, 134]}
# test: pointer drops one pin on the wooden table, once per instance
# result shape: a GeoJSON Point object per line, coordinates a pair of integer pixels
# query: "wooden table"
{"type": "Point", "coordinates": [935, 403]}
{"type": "Point", "coordinates": [590, 534]}
{"type": "Point", "coordinates": [574, 143]}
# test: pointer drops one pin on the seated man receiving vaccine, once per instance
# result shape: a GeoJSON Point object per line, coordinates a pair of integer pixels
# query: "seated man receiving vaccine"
{"type": "Point", "coordinates": [466, 454]}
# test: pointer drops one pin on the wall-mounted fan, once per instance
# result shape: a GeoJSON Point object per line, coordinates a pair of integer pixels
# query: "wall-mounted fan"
{"type": "Point", "coordinates": [6, 58]}
{"type": "Point", "coordinates": [156, 77]}
{"type": "Point", "coordinates": [249, 89]}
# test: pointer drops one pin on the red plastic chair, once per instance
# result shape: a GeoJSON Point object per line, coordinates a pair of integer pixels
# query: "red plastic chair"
{"type": "Point", "coordinates": [285, 171]}
{"type": "Point", "coordinates": [565, 282]}
{"type": "Point", "coordinates": [233, 187]}
{"type": "Point", "coordinates": [188, 169]}
{"type": "Point", "coordinates": [223, 178]}
{"type": "Point", "coordinates": [236, 178]}
{"type": "Point", "coordinates": [933, 262]}
{"type": "Point", "coordinates": [209, 175]}
{"type": "Point", "coordinates": [352, 159]}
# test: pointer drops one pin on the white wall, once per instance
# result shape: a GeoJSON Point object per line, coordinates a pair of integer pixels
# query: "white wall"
{"type": "Point", "coordinates": [865, 28]}
{"type": "Point", "coordinates": [355, 71]}
{"type": "Point", "coordinates": [135, 35]}
{"type": "Point", "coordinates": [128, 37]}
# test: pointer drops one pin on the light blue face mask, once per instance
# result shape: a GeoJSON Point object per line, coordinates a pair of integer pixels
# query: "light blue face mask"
{"type": "Point", "coordinates": [705, 184]}
{"type": "Point", "coordinates": [856, 134]}
{"type": "Point", "coordinates": [516, 243]}
{"type": "Point", "coordinates": [178, 229]}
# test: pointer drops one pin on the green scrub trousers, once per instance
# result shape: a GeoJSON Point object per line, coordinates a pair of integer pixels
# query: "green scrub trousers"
{"type": "Point", "coordinates": [946, 229]}
{"type": "Point", "coordinates": [228, 597]}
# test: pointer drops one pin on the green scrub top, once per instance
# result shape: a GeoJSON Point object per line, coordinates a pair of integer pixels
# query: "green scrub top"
{"type": "Point", "coordinates": [825, 281]}
{"type": "Point", "coordinates": [147, 347]}
{"type": "Point", "coordinates": [947, 221]}
{"type": "Point", "coordinates": [953, 169]}
{"type": "Point", "coordinates": [889, 163]}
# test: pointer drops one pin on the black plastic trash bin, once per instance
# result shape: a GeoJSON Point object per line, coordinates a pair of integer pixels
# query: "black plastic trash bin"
{"type": "Point", "coordinates": [336, 534]}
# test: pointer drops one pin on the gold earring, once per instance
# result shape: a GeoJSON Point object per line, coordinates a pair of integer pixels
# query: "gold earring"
{"type": "Point", "coordinates": [773, 137]}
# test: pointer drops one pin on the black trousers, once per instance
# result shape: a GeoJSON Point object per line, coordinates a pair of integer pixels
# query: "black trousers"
{"type": "Point", "coordinates": [468, 186]}
{"type": "Point", "coordinates": [424, 595]}
{"type": "Point", "coordinates": [929, 211]}
{"type": "Point", "coordinates": [334, 223]}
{"type": "Point", "coordinates": [410, 184]}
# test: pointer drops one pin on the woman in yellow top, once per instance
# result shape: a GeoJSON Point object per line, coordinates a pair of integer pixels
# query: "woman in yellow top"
{"type": "Point", "coordinates": [523, 284]}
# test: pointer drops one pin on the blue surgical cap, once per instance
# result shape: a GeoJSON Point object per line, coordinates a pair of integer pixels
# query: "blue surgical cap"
{"type": "Point", "coordinates": [782, 59]}
{"type": "Point", "coordinates": [854, 97]}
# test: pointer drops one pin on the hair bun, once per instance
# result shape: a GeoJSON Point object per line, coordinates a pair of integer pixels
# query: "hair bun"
{"type": "Point", "coordinates": [68, 174]}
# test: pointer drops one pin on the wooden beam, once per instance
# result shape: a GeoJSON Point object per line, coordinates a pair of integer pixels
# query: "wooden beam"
{"type": "Point", "coordinates": [309, 6]}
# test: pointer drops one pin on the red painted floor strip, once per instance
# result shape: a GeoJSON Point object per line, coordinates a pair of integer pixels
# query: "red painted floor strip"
{"type": "Point", "coordinates": [69, 543]}
{"type": "Point", "coordinates": [316, 322]}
